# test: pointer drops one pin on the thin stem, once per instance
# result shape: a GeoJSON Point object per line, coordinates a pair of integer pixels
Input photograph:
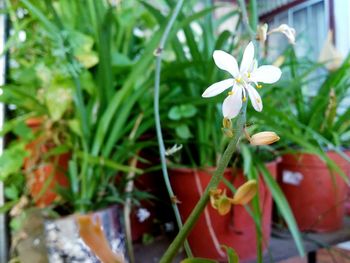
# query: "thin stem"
{"type": "Point", "coordinates": [245, 18]}
{"type": "Point", "coordinates": [215, 180]}
{"type": "Point", "coordinates": [158, 53]}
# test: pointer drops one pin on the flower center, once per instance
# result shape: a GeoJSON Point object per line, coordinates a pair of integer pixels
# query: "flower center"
{"type": "Point", "coordinates": [230, 93]}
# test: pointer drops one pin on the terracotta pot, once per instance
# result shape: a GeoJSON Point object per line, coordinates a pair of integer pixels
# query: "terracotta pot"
{"type": "Point", "coordinates": [236, 229]}
{"type": "Point", "coordinates": [44, 175]}
{"type": "Point", "coordinates": [94, 237]}
{"type": "Point", "coordinates": [315, 195]}
{"type": "Point", "coordinates": [347, 202]}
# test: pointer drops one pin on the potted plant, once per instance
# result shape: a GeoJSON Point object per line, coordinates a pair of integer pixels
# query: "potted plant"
{"type": "Point", "coordinates": [95, 73]}
{"type": "Point", "coordinates": [196, 124]}
{"type": "Point", "coordinates": [315, 156]}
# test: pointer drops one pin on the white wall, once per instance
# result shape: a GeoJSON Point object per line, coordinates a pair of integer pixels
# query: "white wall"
{"type": "Point", "coordinates": [342, 25]}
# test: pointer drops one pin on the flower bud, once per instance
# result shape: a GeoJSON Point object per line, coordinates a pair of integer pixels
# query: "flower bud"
{"type": "Point", "coordinates": [262, 33]}
{"type": "Point", "coordinates": [220, 201]}
{"type": "Point", "coordinates": [214, 195]}
{"type": "Point", "coordinates": [223, 205]}
{"type": "Point", "coordinates": [227, 123]}
{"type": "Point", "coordinates": [264, 138]}
{"type": "Point", "coordinates": [245, 193]}
{"type": "Point", "coordinates": [288, 31]}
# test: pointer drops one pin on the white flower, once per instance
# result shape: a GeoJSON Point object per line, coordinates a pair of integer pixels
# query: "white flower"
{"type": "Point", "coordinates": [242, 80]}
{"type": "Point", "coordinates": [173, 150]}
{"type": "Point", "coordinates": [142, 214]}
{"type": "Point", "coordinates": [288, 31]}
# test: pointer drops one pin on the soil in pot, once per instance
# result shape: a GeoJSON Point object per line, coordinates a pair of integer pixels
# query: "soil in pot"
{"type": "Point", "coordinates": [316, 195]}
{"type": "Point", "coordinates": [236, 229]}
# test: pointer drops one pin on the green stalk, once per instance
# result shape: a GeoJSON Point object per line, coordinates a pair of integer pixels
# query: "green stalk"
{"type": "Point", "coordinates": [245, 18]}
{"type": "Point", "coordinates": [158, 53]}
{"type": "Point", "coordinates": [253, 12]}
{"type": "Point", "coordinates": [214, 182]}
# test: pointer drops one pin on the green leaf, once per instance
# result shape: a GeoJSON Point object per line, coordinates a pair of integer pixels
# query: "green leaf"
{"type": "Point", "coordinates": [247, 158]}
{"type": "Point", "coordinates": [183, 131]}
{"type": "Point", "coordinates": [188, 110]}
{"type": "Point", "coordinates": [11, 192]}
{"type": "Point", "coordinates": [58, 97]}
{"type": "Point", "coordinates": [232, 256]}
{"type": "Point", "coordinates": [7, 206]}
{"type": "Point", "coordinates": [23, 131]}
{"type": "Point", "coordinates": [11, 160]}
{"type": "Point", "coordinates": [174, 113]}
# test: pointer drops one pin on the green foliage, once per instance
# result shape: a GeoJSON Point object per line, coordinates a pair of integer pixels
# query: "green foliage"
{"type": "Point", "coordinates": [11, 160]}
{"type": "Point", "coordinates": [312, 104]}
{"type": "Point", "coordinates": [82, 75]}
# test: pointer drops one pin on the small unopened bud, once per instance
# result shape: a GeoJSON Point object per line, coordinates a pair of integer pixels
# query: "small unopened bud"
{"type": "Point", "coordinates": [264, 138]}
{"type": "Point", "coordinates": [227, 123]}
{"type": "Point", "coordinates": [262, 33]}
{"type": "Point", "coordinates": [245, 193]}
{"type": "Point", "coordinates": [224, 205]}
{"type": "Point", "coordinates": [214, 195]}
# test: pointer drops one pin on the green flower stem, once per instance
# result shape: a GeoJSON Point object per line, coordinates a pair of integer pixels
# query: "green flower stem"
{"type": "Point", "coordinates": [245, 18]}
{"type": "Point", "coordinates": [214, 182]}
{"type": "Point", "coordinates": [158, 53]}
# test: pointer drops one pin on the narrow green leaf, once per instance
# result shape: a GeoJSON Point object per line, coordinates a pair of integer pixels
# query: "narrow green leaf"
{"type": "Point", "coordinates": [283, 207]}
{"type": "Point", "coordinates": [232, 256]}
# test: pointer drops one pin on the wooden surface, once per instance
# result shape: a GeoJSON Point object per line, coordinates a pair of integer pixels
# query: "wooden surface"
{"type": "Point", "coordinates": [281, 245]}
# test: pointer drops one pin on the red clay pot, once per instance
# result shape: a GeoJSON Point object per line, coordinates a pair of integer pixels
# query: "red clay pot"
{"type": "Point", "coordinates": [316, 199]}
{"type": "Point", "coordinates": [39, 173]}
{"type": "Point", "coordinates": [347, 202]}
{"type": "Point", "coordinates": [236, 229]}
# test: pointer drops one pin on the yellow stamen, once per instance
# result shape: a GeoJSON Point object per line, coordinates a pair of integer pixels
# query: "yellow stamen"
{"type": "Point", "coordinates": [244, 98]}
{"type": "Point", "coordinates": [248, 74]}
{"type": "Point", "coordinates": [258, 100]}
{"type": "Point", "coordinates": [230, 93]}
{"type": "Point", "coordinates": [238, 80]}
{"type": "Point", "coordinates": [259, 86]}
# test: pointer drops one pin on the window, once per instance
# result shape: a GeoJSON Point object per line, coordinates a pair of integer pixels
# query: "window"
{"type": "Point", "coordinates": [309, 38]}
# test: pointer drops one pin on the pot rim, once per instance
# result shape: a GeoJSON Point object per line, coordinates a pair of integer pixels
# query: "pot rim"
{"type": "Point", "coordinates": [212, 168]}
{"type": "Point", "coordinates": [101, 210]}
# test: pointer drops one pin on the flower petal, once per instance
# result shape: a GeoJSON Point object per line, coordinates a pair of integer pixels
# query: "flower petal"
{"type": "Point", "coordinates": [217, 88]}
{"type": "Point", "coordinates": [233, 103]}
{"type": "Point", "coordinates": [248, 57]}
{"type": "Point", "coordinates": [266, 74]}
{"type": "Point", "coordinates": [254, 98]}
{"type": "Point", "coordinates": [226, 62]}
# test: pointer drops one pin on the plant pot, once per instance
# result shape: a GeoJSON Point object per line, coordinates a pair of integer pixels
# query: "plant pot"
{"type": "Point", "coordinates": [347, 202]}
{"type": "Point", "coordinates": [236, 229]}
{"type": "Point", "coordinates": [44, 175]}
{"type": "Point", "coordinates": [94, 237]}
{"type": "Point", "coordinates": [316, 195]}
